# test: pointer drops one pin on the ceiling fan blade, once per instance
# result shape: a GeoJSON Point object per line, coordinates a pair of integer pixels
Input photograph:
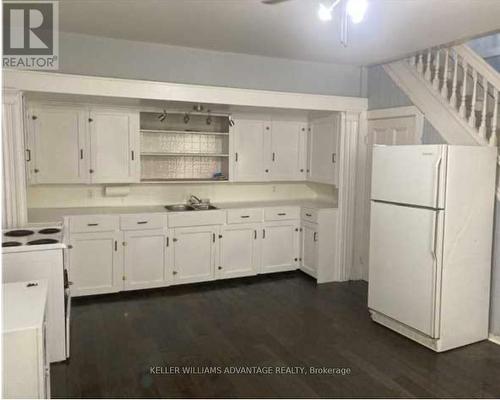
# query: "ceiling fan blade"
{"type": "Point", "coordinates": [271, 2]}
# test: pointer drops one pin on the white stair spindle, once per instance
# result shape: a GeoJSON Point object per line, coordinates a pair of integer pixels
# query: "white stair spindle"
{"type": "Point", "coordinates": [472, 116]}
{"type": "Point", "coordinates": [420, 63]}
{"type": "Point", "coordinates": [427, 74]}
{"type": "Point", "coordinates": [482, 127]}
{"type": "Point", "coordinates": [453, 98]}
{"type": "Point", "coordinates": [444, 87]}
{"type": "Point", "coordinates": [462, 110]}
{"type": "Point", "coordinates": [494, 120]}
{"type": "Point", "coordinates": [435, 80]}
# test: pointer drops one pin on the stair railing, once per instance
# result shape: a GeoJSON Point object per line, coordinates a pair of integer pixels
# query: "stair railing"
{"type": "Point", "coordinates": [467, 83]}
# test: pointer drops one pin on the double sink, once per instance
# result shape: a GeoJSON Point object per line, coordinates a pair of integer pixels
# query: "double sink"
{"type": "Point", "coordinates": [190, 207]}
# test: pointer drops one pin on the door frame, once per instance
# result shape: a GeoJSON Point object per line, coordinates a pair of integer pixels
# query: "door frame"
{"type": "Point", "coordinates": [359, 270]}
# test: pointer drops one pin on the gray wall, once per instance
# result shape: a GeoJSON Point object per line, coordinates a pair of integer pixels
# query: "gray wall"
{"type": "Point", "coordinates": [90, 55]}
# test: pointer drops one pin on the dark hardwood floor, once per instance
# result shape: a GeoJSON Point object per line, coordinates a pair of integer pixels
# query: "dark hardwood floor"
{"type": "Point", "coordinates": [273, 320]}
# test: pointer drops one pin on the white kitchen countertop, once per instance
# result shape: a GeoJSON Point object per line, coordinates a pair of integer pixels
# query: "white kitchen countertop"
{"type": "Point", "coordinates": [55, 215]}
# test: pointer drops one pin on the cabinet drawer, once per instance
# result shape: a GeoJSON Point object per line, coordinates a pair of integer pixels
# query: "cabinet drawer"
{"type": "Point", "coordinates": [94, 223]}
{"type": "Point", "coordinates": [245, 215]}
{"type": "Point", "coordinates": [281, 213]}
{"type": "Point", "coordinates": [309, 214]}
{"type": "Point", "coordinates": [130, 222]}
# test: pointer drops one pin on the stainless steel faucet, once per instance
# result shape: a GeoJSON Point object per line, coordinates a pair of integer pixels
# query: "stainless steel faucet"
{"type": "Point", "coordinates": [194, 200]}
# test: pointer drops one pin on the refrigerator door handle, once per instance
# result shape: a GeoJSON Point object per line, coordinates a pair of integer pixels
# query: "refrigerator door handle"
{"type": "Point", "coordinates": [438, 181]}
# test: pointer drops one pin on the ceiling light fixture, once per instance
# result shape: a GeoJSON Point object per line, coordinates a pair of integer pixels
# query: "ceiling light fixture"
{"type": "Point", "coordinates": [325, 12]}
{"type": "Point", "coordinates": [356, 9]}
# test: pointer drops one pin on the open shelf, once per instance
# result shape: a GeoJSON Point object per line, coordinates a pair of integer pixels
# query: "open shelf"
{"type": "Point", "coordinates": [165, 154]}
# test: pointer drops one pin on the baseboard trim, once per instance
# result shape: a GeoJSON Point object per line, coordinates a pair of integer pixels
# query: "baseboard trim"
{"type": "Point", "coordinates": [494, 338]}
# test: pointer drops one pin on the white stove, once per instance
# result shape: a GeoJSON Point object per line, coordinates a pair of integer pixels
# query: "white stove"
{"type": "Point", "coordinates": [47, 236]}
{"type": "Point", "coordinates": [38, 252]}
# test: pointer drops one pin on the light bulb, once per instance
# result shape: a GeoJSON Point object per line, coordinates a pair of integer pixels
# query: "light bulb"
{"type": "Point", "coordinates": [324, 13]}
{"type": "Point", "coordinates": [356, 9]}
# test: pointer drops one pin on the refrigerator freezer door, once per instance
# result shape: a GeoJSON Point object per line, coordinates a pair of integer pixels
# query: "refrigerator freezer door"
{"type": "Point", "coordinates": [412, 175]}
{"type": "Point", "coordinates": [403, 264]}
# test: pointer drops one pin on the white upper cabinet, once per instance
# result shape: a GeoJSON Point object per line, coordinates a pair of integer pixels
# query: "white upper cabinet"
{"type": "Point", "coordinates": [323, 150]}
{"type": "Point", "coordinates": [56, 145]}
{"type": "Point", "coordinates": [288, 150]}
{"type": "Point", "coordinates": [269, 151]}
{"type": "Point", "coordinates": [70, 144]}
{"type": "Point", "coordinates": [249, 157]}
{"type": "Point", "coordinates": [114, 145]}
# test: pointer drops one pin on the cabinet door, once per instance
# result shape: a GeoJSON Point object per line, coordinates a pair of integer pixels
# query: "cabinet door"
{"type": "Point", "coordinates": [96, 263]}
{"type": "Point", "coordinates": [286, 150]}
{"type": "Point", "coordinates": [58, 135]}
{"type": "Point", "coordinates": [145, 259]}
{"type": "Point", "coordinates": [280, 247]}
{"type": "Point", "coordinates": [239, 251]}
{"type": "Point", "coordinates": [114, 143]}
{"type": "Point", "coordinates": [323, 153]}
{"type": "Point", "coordinates": [310, 249]}
{"type": "Point", "coordinates": [194, 254]}
{"type": "Point", "coordinates": [249, 157]}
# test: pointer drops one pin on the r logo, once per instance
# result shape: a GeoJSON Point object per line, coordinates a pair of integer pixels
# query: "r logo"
{"type": "Point", "coordinates": [28, 28]}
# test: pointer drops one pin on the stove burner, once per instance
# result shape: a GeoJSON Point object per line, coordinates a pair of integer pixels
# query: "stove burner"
{"type": "Point", "coordinates": [49, 231]}
{"type": "Point", "coordinates": [19, 233]}
{"type": "Point", "coordinates": [42, 241]}
{"type": "Point", "coordinates": [11, 244]}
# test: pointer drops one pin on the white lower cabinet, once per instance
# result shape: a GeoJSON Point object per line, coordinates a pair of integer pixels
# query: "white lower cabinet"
{"type": "Point", "coordinates": [309, 249]}
{"type": "Point", "coordinates": [280, 246]}
{"type": "Point", "coordinates": [145, 259]}
{"type": "Point", "coordinates": [195, 250]}
{"type": "Point", "coordinates": [96, 262]}
{"type": "Point", "coordinates": [319, 232]}
{"type": "Point", "coordinates": [239, 251]}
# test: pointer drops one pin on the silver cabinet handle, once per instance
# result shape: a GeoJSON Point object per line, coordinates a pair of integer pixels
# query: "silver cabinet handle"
{"type": "Point", "coordinates": [142, 222]}
{"type": "Point", "coordinates": [315, 236]}
{"type": "Point", "coordinates": [274, 156]}
{"type": "Point", "coordinates": [333, 157]}
{"type": "Point", "coordinates": [92, 224]}
{"type": "Point", "coordinates": [308, 215]}
{"type": "Point", "coordinates": [28, 153]}
{"type": "Point", "coordinates": [245, 216]}
{"type": "Point", "coordinates": [281, 214]}
{"type": "Point", "coordinates": [132, 154]}
{"type": "Point", "coordinates": [236, 157]}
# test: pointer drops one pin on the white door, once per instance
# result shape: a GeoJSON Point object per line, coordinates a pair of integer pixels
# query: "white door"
{"type": "Point", "coordinates": [409, 174]}
{"type": "Point", "coordinates": [310, 249]}
{"type": "Point", "coordinates": [285, 150]}
{"type": "Point", "coordinates": [114, 142]}
{"type": "Point", "coordinates": [323, 150]}
{"type": "Point", "coordinates": [249, 157]}
{"type": "Point", "coordinates": [194, 254]}
{"type": "Point", "coordinates": [96, 263]}
{"type": "Point", "coordinates": [145, 259]}
{"type": "Point", "coordinates": [280, 250]}
{"type": "Point", "coordinates": [403, 264]}
{"type": "Point", "coordinates": [239, 251]}
{"type": "Point", "coordinates": [389, 130]}
{"type": "Point", "coordinates": [59, 139]}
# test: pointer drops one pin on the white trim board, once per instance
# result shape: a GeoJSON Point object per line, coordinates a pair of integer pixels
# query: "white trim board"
{"type": "Point", "coordinates": [494, 338]}
{"type": "Point", "coordinates": [36, 81]}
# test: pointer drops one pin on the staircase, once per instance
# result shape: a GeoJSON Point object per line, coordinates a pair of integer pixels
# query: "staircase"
{"type": "Point", "coordinates": [457, 91]}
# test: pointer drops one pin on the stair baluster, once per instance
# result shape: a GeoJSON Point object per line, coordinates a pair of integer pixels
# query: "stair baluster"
{"type": "Point", "coordinates": [462, 109]}
{"type": "Point", "coordinates": [472, 116]}
{"type": "Point", "coordinates": [444, 87]}
{"type": "Point", "coordinates": [494, 120]}
{"type": "Point", "coordinates": [453, 98]}
{"type": "Point", "coordinates": [482, 127]}
{"type": "Point", "coordinates": [435, 80]}
{"type": "Point", "coordinates": [413, 60]}
{"type": "Point", "coordinates": [420, 63]}
{"type": "Point", "coordinates": [427, 74]}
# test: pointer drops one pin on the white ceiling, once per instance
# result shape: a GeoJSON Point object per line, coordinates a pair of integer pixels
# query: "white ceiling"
{"type": "Point", "coordinates": [391, 29]}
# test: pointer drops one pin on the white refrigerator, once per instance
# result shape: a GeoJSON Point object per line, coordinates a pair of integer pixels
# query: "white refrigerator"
{"type": "Point", "coordinates": [431, 237]}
